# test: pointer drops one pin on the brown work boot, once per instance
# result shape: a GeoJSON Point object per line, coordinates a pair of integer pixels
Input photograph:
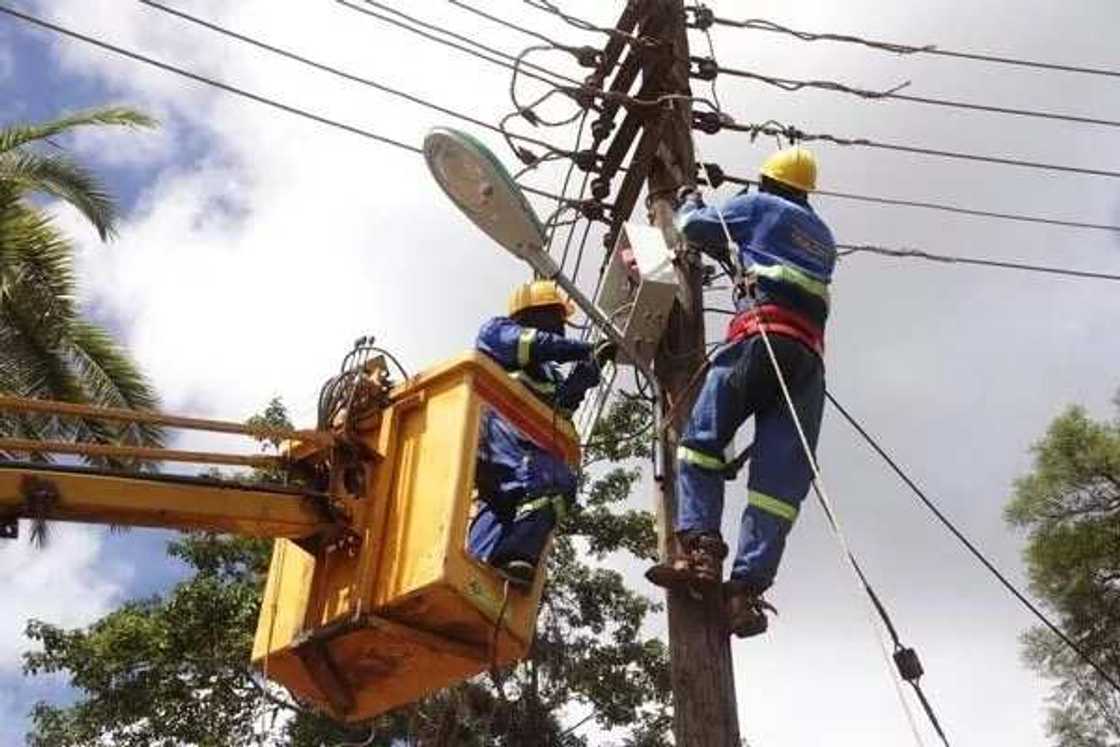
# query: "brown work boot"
{"type": "Point", "coordinates": [699, 563]}
{"type": "Point", "coordinates": [746, 610]}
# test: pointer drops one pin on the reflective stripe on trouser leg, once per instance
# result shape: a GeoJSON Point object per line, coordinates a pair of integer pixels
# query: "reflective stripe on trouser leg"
{"type": "Point", "coordinates": [772, 505]}
{"type": "Point", "coordinates": [525, 535]}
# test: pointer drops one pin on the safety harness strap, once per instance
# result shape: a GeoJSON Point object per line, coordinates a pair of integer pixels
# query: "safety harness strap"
{"type": "Point", "coordinates": [778, 321]}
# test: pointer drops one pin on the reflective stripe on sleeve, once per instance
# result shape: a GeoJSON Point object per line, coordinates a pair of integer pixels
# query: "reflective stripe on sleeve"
{"type": "Point", "coordinates": [700, 459]}
{"type": "Point", "coordinates": [772, 505]}
{"type": "Point", "coordinates": [793, 276]}
{"type": "Point", "coordinates": [525, 346]}
{"type": "Point", "coordinates": [556, 501]}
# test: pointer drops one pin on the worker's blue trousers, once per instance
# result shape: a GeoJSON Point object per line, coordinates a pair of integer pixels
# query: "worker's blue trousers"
{"type": "Point", "coordinates": [522, 489]}
{"type": "Point", "coordinates": [740, 383]}
{"type": "Point", "coordinates": [498, 537]}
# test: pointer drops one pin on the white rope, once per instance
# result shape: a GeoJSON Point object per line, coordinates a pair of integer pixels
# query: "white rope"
{"type": "Point", "coordinates": [818, 480]}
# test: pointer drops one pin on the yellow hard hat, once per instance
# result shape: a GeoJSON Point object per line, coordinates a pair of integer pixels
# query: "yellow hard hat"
{"type": "Point", "coordinates": [795, 167]}
{"type": "Point", "coordinates": [538, 294]}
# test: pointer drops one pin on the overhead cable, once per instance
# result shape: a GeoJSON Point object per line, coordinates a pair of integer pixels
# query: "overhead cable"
{"type": "Point", "coordinates": [578, 90]}
{"type": "Point", "coordinates": [847, 249]}
{"type": "Point", "coordinates": [346, 75]}
{"type": "Point", "coordinates": [585, 25]}
{"type": "Point", "coordinates": [906, 658]}
{"type": "Point", "coordinates": [944, 207]}
{"type": "Point", "coordinates": [760, 24]}
{"type": "Point", "coordinates": [505, 60]}
{"type": "Point", "coordinates": [509, 24]}
{"type": "Point", "coordinates": [968, 211]}
{"type": "Point", "coordinates": [1033, 608]}
{"type": "Point", "coordinates": [789, 84]}
{"type": "Point", "coordinates": [227, 87]}
{"type": "Point", "coordinates": [794, 134]}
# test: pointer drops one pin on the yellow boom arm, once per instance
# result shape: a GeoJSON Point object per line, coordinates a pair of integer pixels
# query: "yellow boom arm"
{"type": "Point", "coordinates": [58, 493]}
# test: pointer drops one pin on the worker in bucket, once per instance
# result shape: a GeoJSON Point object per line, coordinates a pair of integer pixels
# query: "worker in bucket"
{"type": "Point", "coordinates": [523, 490]}
{"type": "Point", "coordinates": [787, 255]}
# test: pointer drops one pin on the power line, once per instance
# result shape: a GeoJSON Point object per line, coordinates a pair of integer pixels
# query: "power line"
{"type": "Point", "coordinates": [794, 134]}
{"type": "Point", "coordinates": [789, 84]}
{"type": "Point", "coordinates": [345, 75]}
{"type": "Point", "coordinates": [847, 249]}
{"type": "Point", "coordinates": [577, 90]}
{"type": "Point", "coordinates": [227, 87]}
{"type": "Point", "coordinates": [967, 211]}
{"type": "Point", "coordinates": [506, 61]}
{"type": "Point", "coordinates": [759, 24]}
{"type": "Point", "coordinates": [1038, 613]}
{"type": "Point", "coordinates": [584, 25]}
{"type": "Point", "coordinates": [944, 207]}
{"type": "Point", "coordinates": [509, 24]}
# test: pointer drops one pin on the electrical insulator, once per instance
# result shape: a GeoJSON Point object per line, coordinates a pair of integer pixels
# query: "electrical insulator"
{"type": "Point", "coordinates": [909, 666]}
{"type": "Point", "coordinates": [702, 17]}
{"type": "Point", "coordinates": [706, 68]}
{"type": "Point", "coordinates": [600, 189]}
{"type": "Point", "coordinates": [527, 156]}
{"type": "Point", "coordinates": [591, 210]}
{"type": "Point", "coordinates": [583, 96]}
{"type": "Point", "coordinates": [601, 128]}
{"type": "Point", "coordinates": [587, 56]}
{"type": "Point", "coordinates": [713, 173]}
{"type": "Point", "coordinates": [585, 159]}
{"type": "Point", "coordinates": [707, 122]}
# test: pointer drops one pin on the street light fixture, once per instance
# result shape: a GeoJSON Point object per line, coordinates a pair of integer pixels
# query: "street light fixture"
{"type": "Point", "coordinates": [481, 187]}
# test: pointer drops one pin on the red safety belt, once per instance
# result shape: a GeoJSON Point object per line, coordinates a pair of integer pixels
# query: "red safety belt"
{"type": "Point", "coordinates": [778, 321]}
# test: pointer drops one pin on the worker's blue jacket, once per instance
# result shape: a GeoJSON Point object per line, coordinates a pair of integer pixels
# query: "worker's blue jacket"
{"type": "Point", "coordinates": [788, 249]}
{"type": "Point", "coordinates": [530, 355]}
{"type": "Point", "coordinates": [791, 254]}
{"type": "Point", "coordinates": [523, 489]}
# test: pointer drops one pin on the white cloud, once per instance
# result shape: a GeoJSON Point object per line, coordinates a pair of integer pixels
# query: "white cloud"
{"type": "Point", "coordinates": [66, 583]}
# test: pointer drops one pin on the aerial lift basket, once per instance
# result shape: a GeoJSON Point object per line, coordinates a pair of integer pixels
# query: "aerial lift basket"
{"type": "Point", "coordinates": [404, 610]}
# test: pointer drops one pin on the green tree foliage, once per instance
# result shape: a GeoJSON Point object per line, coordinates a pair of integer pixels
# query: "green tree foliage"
{"type": "Point", "coordinates": [1070, 506]}
{"type": "Point", "coordinates": [173, 670]}
{"type": "Point", "coordinates": [50, 351]}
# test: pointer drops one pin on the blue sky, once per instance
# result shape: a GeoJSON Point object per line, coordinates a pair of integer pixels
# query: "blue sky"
{"type": "Point", "coordinates": [257, 247]}
{"type": "Point", "coordinates": [35, 88]}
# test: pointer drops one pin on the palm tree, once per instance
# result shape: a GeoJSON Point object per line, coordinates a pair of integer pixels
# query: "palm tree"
{"type": "Point", "coordinates": [47, 349]}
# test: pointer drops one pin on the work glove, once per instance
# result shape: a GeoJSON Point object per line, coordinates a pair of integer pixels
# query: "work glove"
{"type": "Point", "coordinates": [542, 473]}
{"type": "Point", "coordinates": [584, 375]}
{"type": "Point", "coordinates": [606, 351]}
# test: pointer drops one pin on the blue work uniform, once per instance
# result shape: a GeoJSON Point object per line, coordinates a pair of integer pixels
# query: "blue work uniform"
{"type": "Point", "coordinates": [791, 254]}
{"type": "Point", "coordinates": [523, 489]}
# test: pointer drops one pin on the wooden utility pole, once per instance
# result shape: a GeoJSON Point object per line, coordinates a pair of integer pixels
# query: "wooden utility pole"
{"type": "Point", "coordinates": [703, 682]}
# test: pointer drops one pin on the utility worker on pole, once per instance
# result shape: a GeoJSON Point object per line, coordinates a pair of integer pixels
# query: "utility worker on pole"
{"type": "Point", "coordinates": [787, 255]}
{"type": "Point", "coordinates": [524, 490]}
